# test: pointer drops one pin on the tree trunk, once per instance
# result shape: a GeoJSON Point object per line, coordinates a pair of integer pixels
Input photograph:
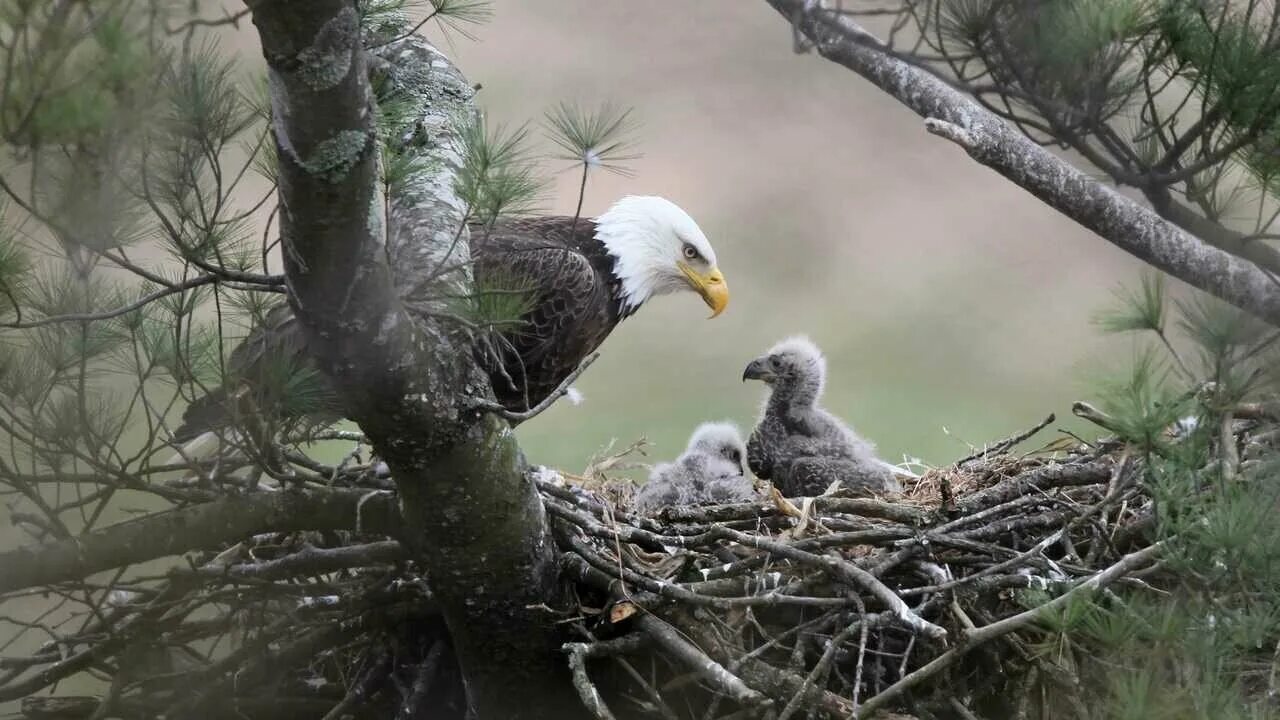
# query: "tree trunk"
{"type": "Point", "coordinates": [380, 332]}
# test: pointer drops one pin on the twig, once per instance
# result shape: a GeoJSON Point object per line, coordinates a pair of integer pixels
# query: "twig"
{"type": "Point", "coordinates": [422, 682]}
{"type": "Point", "coordinates": [1088, 412]}
{"type": "Point", "coordinates": [229, 19]}
{"type": "Point", "coordinates": [966, 139]}
{"type": "Point", "coordinates": [978, 636]}
{"type": "Point", "coordinates": [1012, 562]}
{"type": "Point", "coordinates": [964, 712]}
{"type": "Point", "coordinates": [1045, 477]}
{"type": "Point", "coordinates": [1230, 456]}
{"type": "Point", "coordinates": [411, 31]}
{"type": "Point", "coordinates": [862, 652]}
{"type": "Point", "coordinates": [1007, 442]}
{"type": "Point", "coordinates": [712, 671]}
{"type": "Point", "coordinates": [311, 561]}
{"type": "Point", "coordinates": [846, 571]}
{"type": "Point", "coordinates": [364, 688]}
{"type": "Point", "coordinates": [582, 682]}
{"type": "Point", "coordinates": [561, 390]}
{"type": "Point", "coordinates": [117, 312]}
{"type": "Point", "coordinates": [819, 669]}
{"type": "Point", "coordinates": [578, 653]}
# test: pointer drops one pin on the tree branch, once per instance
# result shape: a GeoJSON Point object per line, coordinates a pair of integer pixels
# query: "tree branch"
{"type": "Point", "coordinates": [203, 526]}
{"type": "Point", "coordinates": [989, 140]}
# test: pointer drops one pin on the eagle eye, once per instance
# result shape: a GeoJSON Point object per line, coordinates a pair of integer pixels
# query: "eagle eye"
{"type": "Point", "coordinates": [690, 252]}
{"type": "Point", "coordinates": [775, 363]}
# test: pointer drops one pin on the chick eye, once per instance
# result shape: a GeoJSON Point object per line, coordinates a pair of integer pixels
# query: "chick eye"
{"type": "Point", "coordinates": [775, 363]}
{"type": "Point", "coordinates": [734, 455]}
{"type": "Point", "coordinates": [690, 252]}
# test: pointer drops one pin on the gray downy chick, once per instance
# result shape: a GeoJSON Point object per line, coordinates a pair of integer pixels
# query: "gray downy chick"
{"type": "Point", "coordinates": [709, 472]}
{"type": "Point", "coordinates": [797, 445]}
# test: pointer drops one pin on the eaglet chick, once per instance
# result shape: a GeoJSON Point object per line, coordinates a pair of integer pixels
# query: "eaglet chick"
{"type": "Point", "coordinates": [799, 446]}
{"type": "Point", "coordinates": [708, 472]}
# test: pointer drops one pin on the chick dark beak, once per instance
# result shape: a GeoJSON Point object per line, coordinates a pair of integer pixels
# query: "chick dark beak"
{"type": "Point", "coordinates": [757, 369]}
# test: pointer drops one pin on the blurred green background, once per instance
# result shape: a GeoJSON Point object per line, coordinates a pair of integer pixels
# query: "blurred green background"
{"type": "Point", "coordinates": [953, 307]}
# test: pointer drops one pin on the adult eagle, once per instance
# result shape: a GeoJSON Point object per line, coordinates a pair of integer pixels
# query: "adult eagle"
{"type": "Point", "coordinates": [573, 281]}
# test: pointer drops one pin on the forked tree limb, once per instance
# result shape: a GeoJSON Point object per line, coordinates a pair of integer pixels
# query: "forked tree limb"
{"type": "Point", "coordinates": [991, 141]}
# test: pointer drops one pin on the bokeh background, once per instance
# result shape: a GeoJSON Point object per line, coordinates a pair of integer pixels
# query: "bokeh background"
{"type": "Point", "coordinates": [953, 307]}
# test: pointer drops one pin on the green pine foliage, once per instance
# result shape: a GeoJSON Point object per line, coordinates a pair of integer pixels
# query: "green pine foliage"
{"type": "Point", "coordinates": [120, 141]}
{"type": "Point", "coordinates": [386, 21]}
{"type": "Point", "coordinates": [1177, 98]}
{"type": "Point", "coordinates": [1197, 638]}
{"type": "Point", "coordinates": [15, 266]}
{"type": "Point", "coordinates": [498, 175]}
{"type": "Point", "coordinates": [1136, 310]}
{"type": "Point", "coordinates": [599, 138]}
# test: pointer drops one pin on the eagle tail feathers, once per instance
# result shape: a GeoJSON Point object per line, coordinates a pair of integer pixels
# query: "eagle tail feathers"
{"type": "Point", "coordinates": [205, 413]}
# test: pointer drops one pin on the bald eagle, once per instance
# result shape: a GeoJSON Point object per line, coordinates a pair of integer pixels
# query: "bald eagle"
{"type": "Point", "coordinates": [574, 279]}
{"type": "Point", "coordinates": [708, 472]}
{"type": "Point", "coordinates": [796, 444]}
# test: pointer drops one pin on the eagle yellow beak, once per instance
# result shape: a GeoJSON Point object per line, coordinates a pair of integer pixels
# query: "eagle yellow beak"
{"type": "Point", "coordinates": [711, 286]}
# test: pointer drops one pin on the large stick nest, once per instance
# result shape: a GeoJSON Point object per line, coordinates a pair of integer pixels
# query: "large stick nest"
{"type": "Point", "coordinates": [841, 606]}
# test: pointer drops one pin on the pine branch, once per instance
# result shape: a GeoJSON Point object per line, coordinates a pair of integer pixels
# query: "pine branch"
{"type": "Point", "coordinates": [138, 304]}
{"type": "Point", "coordinates": [197, 527]}
{"type": "Point", "coordinates": [989, 140]}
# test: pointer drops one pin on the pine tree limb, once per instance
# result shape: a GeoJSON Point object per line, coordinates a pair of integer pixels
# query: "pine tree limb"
{"type": "Point", "coordinates": [198, 527]}
{"type": "Point", "coordinates": [1135, 229]}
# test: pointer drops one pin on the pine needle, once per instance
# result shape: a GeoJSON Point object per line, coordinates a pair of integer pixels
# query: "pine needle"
{"type": "Point", "coordinates": [595, 139]}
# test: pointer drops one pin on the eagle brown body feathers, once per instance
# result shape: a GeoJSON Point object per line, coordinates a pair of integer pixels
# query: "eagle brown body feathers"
{"type": "Point", "coordinates": [569, 300]}
{"type": "Point", "coordinates": [571, 295]}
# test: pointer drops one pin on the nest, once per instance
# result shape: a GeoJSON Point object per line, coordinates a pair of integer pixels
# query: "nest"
{"type": "Point", "coordinates": [840, 606]}
{"type": "Point", "coordinates": [932, 603]}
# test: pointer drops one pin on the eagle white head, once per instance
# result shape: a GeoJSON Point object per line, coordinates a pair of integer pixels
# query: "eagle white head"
{"type": "Point", "coordinates": [658, 249]}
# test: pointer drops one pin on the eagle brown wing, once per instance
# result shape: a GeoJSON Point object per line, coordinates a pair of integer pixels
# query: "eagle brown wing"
{"type": "Point", "coordinates": [562, 295]}
{"type": "Point", "coordinates": [567, 305]}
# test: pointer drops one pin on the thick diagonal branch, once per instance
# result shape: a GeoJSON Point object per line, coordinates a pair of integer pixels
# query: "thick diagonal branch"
{"type": "Point", "coordinates": [992, 142]}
